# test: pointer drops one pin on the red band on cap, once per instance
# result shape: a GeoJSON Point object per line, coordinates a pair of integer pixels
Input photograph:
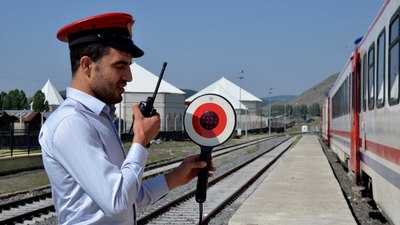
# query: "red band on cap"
{"type": "Point", "coordinates": [102, 21]}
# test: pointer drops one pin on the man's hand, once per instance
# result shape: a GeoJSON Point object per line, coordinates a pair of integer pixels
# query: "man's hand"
{"type": "Point", "coordinates": [186, 171]}
{"type": "Point", "coordinates": [145, 128]}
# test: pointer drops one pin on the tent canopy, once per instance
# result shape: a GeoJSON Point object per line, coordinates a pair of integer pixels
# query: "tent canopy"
{"type": "Point", "coordinates": [145, 81]}
{"type": "Point", "coordinates": [228, 90]}
{"type": "Point", "coordinates": [51, 94]}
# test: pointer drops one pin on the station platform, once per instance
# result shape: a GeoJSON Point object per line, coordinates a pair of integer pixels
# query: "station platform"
{"type": "Point", "coordinates": [301, 189]}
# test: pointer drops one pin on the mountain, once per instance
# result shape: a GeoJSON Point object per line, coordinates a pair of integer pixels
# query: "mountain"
{"type": "Point", "coordinates": [277, 98]}
{"type": "Point", "coordinates": [316, 94]}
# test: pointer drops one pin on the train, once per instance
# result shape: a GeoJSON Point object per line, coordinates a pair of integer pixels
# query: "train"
{"type": "Point", "coordinates": [360, 117]}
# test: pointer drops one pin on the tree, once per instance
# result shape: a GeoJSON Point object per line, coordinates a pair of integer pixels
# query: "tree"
{"type": "Point", "coordinates": [2, 100]}
{"type": "Point", "coordinates": [281, 109]}
{"type": "Point", "coordinates": [314, 110]}
{"type": "Point", "coordinates": [22, 102]}
{"type": "Point", "coordinates": [277, 109]}
{"type": "Point", "coordinates": [289, 110]}
{"type": "Point", "coordinates": [14, 100]}
{"type": "Point", "coordinates": [300, 111]}
{"type": "Point", "coordinates": [297, 111]}
{"type": "Point", "coordinates": [39, 102]}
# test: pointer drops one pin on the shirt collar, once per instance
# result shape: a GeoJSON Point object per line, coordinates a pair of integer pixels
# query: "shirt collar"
{"type": "Point", "coordinates": [92, 103]}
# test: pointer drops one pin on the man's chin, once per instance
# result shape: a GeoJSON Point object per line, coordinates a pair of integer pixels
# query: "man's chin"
{"type": "Point", "coordinates": [114, 100]}
{"type": "Point", "coordinates": [118, 100]}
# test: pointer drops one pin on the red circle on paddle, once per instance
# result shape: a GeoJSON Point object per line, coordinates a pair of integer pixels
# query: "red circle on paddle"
{"type": "Point", "coordinates": [218, 122]}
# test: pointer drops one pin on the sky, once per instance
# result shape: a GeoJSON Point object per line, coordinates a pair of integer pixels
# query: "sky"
{"type": "Point", "coordinates": [286, 45]}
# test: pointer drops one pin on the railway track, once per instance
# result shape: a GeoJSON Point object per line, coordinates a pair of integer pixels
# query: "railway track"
{"type": "Point", "coordinates": [222, 190]}
{"type": "Point", "coordinates": [41, 205]}
{"type": "Point", "coordinates": [26, 208]}
{"type": "Point", "coordinates": [157, 168]}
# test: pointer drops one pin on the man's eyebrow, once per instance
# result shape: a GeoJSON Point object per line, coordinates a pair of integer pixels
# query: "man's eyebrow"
{"type": "Point", "coordinates": [122, 62]}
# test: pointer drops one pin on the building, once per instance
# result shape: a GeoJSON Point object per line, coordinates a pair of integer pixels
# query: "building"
{"type": "Point", "coordinates": [19, 129]}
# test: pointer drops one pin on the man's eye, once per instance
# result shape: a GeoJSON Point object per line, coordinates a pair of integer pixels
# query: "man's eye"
{"type": "Point", "coordinates": [120, 66]}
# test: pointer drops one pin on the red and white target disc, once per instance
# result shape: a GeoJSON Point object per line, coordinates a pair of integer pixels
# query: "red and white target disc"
{"type": "Point", "coordinates": [209, 120]}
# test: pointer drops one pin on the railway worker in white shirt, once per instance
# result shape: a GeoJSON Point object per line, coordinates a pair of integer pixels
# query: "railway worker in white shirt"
{"type": "Point", "coordinates": [93, 180]}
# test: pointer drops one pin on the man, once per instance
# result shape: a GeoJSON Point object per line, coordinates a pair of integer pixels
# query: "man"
{"type": "Point", "coordinates": [93, 180]}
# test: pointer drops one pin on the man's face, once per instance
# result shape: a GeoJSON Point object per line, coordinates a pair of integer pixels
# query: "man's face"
{"type": "Point", "coordinates": [110, 75]}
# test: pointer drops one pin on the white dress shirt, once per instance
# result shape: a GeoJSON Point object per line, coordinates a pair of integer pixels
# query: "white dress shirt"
{"type": "Point", "coordinates": [93, 180]}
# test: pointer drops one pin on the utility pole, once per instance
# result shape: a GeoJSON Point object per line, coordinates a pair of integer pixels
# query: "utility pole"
{"type": "Point", "coordinates": [241, 76]}
{"type": "Point", "coordinates": [284, 118]}
{"type": "Point", "coordinates": [269, 114]}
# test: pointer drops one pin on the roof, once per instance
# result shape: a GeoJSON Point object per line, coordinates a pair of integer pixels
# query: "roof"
{"type": "Point", "coordinates": [51, 94]}
{"type": "Point", "coordinates": [224, 93]}
{"type": "Point", "coordinates": [7, 118]}
{"type": "Point", "coordinates": [145, 81]}
{"type": "Point", "coordinates": [229, 90]}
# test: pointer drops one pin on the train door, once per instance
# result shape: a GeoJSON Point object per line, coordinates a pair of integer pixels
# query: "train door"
{"type": "Point", "coordinates": [363, 101]}
{"type": "Point", "coordinates": [354, 119]}
{"type": "Point", "coordinates": [328, 122]}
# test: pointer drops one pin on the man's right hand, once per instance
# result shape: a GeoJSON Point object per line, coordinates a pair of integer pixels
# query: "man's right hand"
{"type": "Point", "coordinates": [145, 128]}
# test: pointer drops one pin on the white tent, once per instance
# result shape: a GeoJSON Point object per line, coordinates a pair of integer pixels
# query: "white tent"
{"type": "Point", "coordinates": [233, 94]}
{"type": "Point", "coordinates": [52, 96]}
{"type": "Point", "coordinates": [145, 81]}
{"type": "Point", "coordinates": [169, 102]}
{"type": "Point", "coordinates": [220, 90]}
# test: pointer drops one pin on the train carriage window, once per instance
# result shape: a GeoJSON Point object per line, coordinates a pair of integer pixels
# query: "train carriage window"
{"type": "Point", "coordinates": [380, 68]}
{"type": "Point", "coordinates": [340, 100]}
{"type": "Point", "coordinates": [394, 62]}
{"type": "Point", "coordinates": [371, 76]}
{"type": "Point", "coordinates": [364, 78]}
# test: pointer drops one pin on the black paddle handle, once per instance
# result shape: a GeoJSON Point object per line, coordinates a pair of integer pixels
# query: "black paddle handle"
{"type": "Point", "coordinates": [202, 180]}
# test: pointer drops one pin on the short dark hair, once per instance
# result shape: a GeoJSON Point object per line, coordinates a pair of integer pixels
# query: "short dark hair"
{"type": "Point", "coordinates": [94, 51]}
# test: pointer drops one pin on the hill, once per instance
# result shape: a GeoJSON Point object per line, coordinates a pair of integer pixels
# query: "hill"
{"type": "Point", "coordinates": [278, 98]}
{"type": "Point", "coordinates": [316, 94]}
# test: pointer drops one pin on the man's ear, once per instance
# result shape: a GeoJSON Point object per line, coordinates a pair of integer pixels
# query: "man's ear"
{"type": "Point", "coordinates": [86, 65]}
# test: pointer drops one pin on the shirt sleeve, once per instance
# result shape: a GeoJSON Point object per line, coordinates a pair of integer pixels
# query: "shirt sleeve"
{"type": "Point", "coordinates": [81, 152]}
{"type": "Point", "coordinates": [152, 190]}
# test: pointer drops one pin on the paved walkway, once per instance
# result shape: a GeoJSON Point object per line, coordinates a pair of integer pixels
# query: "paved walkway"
{"type": "Point", "coordinates": [301, 189]}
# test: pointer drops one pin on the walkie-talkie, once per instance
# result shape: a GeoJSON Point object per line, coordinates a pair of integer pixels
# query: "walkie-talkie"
{"type": "Point", "coordinates": [146, 107]}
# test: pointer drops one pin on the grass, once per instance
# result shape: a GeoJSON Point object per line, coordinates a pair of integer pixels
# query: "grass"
{"type": "Point", "coordinates": [10, 184]}
{"type": "Point", "coordinates": [172, 149]}
{"type": "Point", "coordinates": [169, 149]}
{"type": "Point", "coordinates": [298, 137]}
{"type": "Point", "coordinates": [253, 149]}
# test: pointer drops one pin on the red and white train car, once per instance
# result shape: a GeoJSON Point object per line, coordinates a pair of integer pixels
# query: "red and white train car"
{"type": "Point", "coordinates": [361, 115]}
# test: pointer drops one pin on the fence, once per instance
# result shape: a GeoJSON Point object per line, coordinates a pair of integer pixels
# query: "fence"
{"type": "Point", "coordinates": [18, 139]}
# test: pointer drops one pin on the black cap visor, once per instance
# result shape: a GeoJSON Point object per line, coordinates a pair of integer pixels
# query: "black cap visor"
{"type": "Point", "coordinates": [119, 40]}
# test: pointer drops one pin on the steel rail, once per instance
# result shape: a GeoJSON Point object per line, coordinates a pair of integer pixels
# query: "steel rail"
{"type": "Point", "coordinates": [183, 198]}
